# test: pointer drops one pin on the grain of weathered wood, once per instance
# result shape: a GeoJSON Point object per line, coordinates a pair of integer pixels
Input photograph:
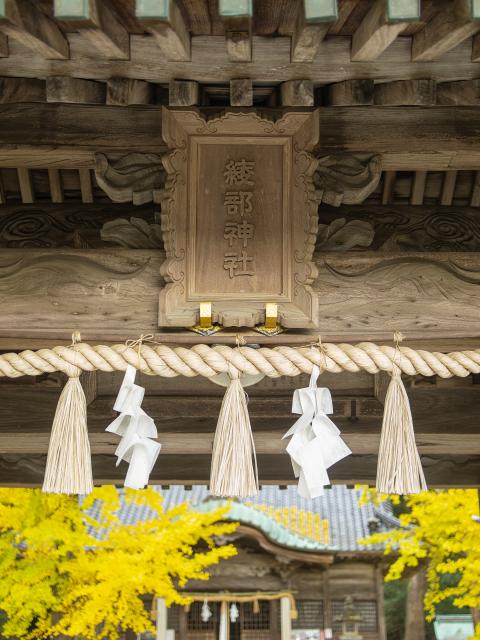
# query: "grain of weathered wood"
{"type": "Point", "coordinates": [210, 64]}
{"type": "Point", "coordinates": [26, 186]}
{"type": "Point", "coordinates": [103, 30]}
{"type": "Point", "coordinates": [75, 90]}
{"type": "Point", "coordinates": [47, 224]}
{"type": "Point", "coordinates": [56, 188]}
{"type": "Point", "coordinates": [4, 51]}
{"type": "Point", "coordinates": [241, 92]}
{"type": "Point", "coordinates": [444, 471]}
{"type": "Point", "coordinates": [345, 9]}
{"type": "Point", "coordinates": [297, 93]}
{"type": "Point", "coordinates": [3, 195]}
{"type": "Point", "coordinates": [402, 227]}
{"type": "Point", "coordinates": [350, 93]}
{"type": "Point", "coordinates": [270, 16]}
{"type": "Point", "coordinates": [27, 24]}
{"type": "Point", "coordinates": [86, 185]}
{"type": "Point", "coordinates": [476, 49]}
{"type": "Point", "coordinates": [183, 93]}
{"type": "Point", "coordinates": [239, 46]}
{"type": "Point", "coordinates": [199, 22]}
{"type": "Point", "coordinates": [414, 139]}
{"type": "Point", "coordinates": [445, 31]}
{"type": "Point", "coordinates": [114, 294]}
{"type": "Point", "coordinates": [175, 443]}
{"type": "Point", "coordinates": [418, 188]}
{"type": "Point", "coordinates": [460, 92]}
{"type": "Point", "coordinates": [406, 92]}
{"type": "Point", "coordinates": [388, 186]}
{"type": "Point", "coordinates": [22, 90]}
{"type": "Point", "coordinates": [307, 38]}
{"type": "Point", "coordinates": [111, 291]}
{"type": "Point", "coordinates": [375, 33]}
{"type": "Point", "coordinates": [475, 196]}
{"type": "Point", "coordinates": [171, 35]}
{"type": "Point", "coordinates": [125, 91]}
{"type": "Point", "coordinates": [448, 188]}
{"type": "Point", "coordinates": [238, 34]}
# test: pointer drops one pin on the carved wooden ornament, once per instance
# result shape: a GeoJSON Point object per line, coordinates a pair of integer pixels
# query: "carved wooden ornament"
{"type": "Point", "coordinates": [239, 218]}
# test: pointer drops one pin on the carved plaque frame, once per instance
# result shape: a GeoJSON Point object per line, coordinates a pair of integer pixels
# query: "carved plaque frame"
{"type": "Point", "coordinates": [291, 140]}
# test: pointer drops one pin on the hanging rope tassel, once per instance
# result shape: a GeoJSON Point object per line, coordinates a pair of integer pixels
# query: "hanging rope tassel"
{"type": "Point", "coordinates": [399, 469]}
{"type": "Point", "coordinates": [234, 467]}
{"type": "Point", "coordinates": [69, 464]}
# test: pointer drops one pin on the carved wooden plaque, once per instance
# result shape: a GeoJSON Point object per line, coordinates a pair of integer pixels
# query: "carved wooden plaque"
{"type": "Point", "coordinates": [239, 218]}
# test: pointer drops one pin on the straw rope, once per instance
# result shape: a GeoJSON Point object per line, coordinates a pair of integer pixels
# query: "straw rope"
{"type": "Point", "coordinates": [203, 360]}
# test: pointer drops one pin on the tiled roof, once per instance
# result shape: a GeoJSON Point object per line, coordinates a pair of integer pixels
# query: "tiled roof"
{"type": "Point", "coordinates": [347, 521]}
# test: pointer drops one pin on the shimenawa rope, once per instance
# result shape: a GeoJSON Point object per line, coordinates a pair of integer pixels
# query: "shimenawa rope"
{"type": "Point", "coordinates": [203, 360]}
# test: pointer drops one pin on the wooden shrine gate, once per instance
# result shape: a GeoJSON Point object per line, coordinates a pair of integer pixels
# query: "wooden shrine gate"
{"type": "Point", "coordinates": [352, 211]}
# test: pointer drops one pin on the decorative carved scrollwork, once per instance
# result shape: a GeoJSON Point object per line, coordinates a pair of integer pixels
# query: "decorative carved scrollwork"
{"type": "Point", "coordinates": [135, 177]}
{"type": "Point", "coordinates": [346, 178]}
{"type": "Point", "coordinates": [135, 233]}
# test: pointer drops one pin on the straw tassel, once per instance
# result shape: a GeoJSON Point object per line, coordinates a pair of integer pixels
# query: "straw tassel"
{"type": "Point", "coordinates": [399, 468]}
{"type": "Point", "coordinates": [234, 467]}
{"type": "Point", "coordinates": [69, 467]}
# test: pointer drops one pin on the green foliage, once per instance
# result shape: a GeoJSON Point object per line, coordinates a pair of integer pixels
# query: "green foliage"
{"type": "Point", "coordinates": [395, 594]}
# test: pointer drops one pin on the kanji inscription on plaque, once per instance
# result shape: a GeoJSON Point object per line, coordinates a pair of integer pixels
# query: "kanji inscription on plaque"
{"type": "Point", "coordinates": [239, 218]}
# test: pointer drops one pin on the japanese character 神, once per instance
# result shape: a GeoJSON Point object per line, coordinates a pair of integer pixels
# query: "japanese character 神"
{"type": "Point", "coordinates": [238, 203]}
{"type": "Point", "coordinates": [239, 172]}
{"type": "Point", "coordinates": [238, 231]}
{"type": "Point", "coordinates": [237, 265]}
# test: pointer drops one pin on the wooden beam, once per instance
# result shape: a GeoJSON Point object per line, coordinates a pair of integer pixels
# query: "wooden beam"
{"type": "Point", "coordinates": [99, 25]}
{"type": "Point", "coordinates": [266, 442]}
{"type": "Point", "coordinates": [475, 196]}
{"type": "Point", "coordinates": [56, 188]}
{"type": "Point", "coordinates": [381, 293]}
{"type": "Point", "coordinates": [198, 12]}
{"type": "Point", "coordinates": [124, 92]}
{"type": "Point", "coordinates": [3, 195]}
{"type": "Point", "coordinates": [237, 20]}
{"type": "Point", "coordinates": [307, 38]}
{"type": "Point", "coordinates": [168, 28]}
{"type": "Point", "coordinates": [350, 93]}
{"type": "Point", "coordinates": [375, 33]}
{"type": "Point", "coordinates": [23, 21]}
{"type": "Point", "coordinates": [476, 49]}
{"type": "Point", "coordinates": [388, 187]}
{"type": "Point", "coordinates": [183, 93]}
{"type": "Point", "coordinates": [241, 92]}
{"type": "Point", "coordinates": [460, 92]}
{"type": "Point", "coordinates": [406, 92]}
{"type": "Point", "coordinates": [75, 90]}
{"type": "Point", "coordinates": [445, 471]}
{"type": "Point", "coordinates": [210, 62]}
{"type": "Point", "coordinates": [448, 188]}
{"type": "Point", "coordinates": [445, 31]}
{"type": "Point", "coordinates": [297, 93]}
{"type": "Point", "coordinates": [22, 90]}
{"type": "Point", "coordinates": [4, 51]}
{"type": "Point", "coordinates": [418, 189]}
{"type": "Point", "coordinates": [414, 139]}
{"type": "Point", "coordinates": [86, 185]}
{"type": "Point", "coordinates": [26, 186]}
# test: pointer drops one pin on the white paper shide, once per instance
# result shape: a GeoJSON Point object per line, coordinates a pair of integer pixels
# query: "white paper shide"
{"type": "Point", "coordinates": [315, 443]}
{"type": "Point", "coordinates": [136, 429]}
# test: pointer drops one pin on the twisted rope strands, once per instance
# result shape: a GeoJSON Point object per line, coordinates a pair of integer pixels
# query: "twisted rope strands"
{"type": "Point", "coordinates": [203, 360]}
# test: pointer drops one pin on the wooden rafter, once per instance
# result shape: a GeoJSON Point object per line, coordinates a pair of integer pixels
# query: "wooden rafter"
{"type": "Point", "coordinates": [25, 22]}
